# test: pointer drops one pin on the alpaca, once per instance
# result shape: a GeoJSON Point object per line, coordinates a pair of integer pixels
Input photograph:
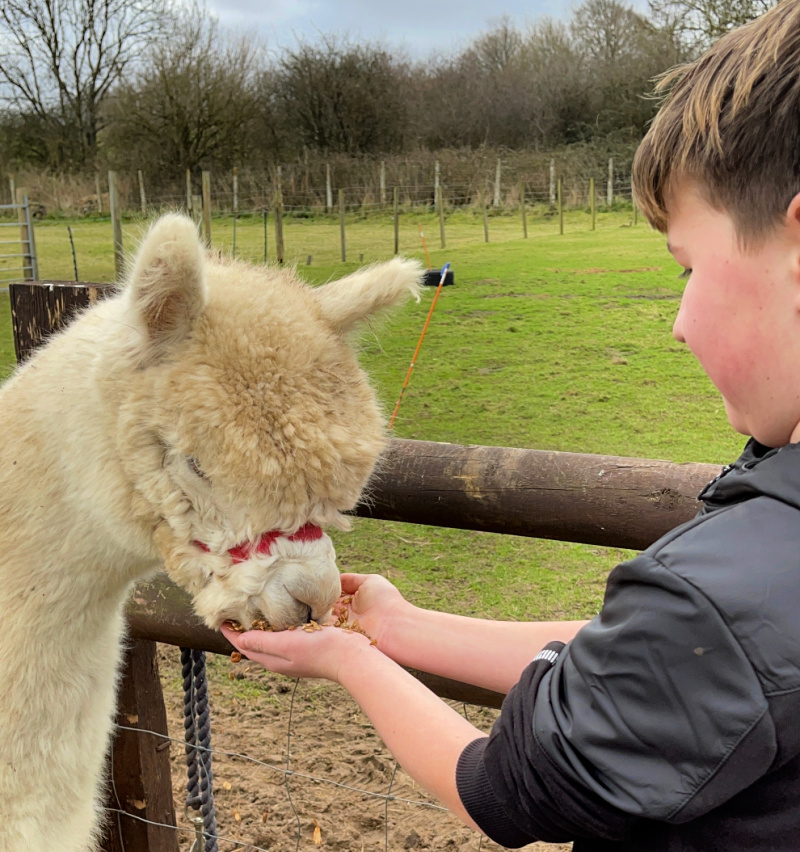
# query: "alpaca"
{"type": "Point", "coordinates": [209, 419]}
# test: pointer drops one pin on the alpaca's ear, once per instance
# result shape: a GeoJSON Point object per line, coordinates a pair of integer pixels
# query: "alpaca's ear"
{"type": "Point", "coordinates": [167, 285]}
{"type": "Point", "coordinates": [349, 301]}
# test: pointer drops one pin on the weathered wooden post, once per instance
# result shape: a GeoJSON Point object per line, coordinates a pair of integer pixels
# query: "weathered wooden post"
{"type": "Point", "coordinates": [12, 189]}
{"type": "Point", "coordinates": [485, 218]}
{"type": "Point", "coordinates": [396, 193]}
{"type": "Point", "coordinates": [116, 226]}
{"type": "Point", "coordinates": [592, 202]}
{"type": "Point", "coordinates": [99, 193]}
{"type": "Point", "coordinates": [207, 208]}
{"type": "Point", "coordinates": [383, 184]}
{"type": "Point", "coordinates": [328, 189]}
{"type": "Point", "coordinates": [560, 207]}
{"type": "Point", "coordinates": [142, 195]}
{"type": "Point", "coordinates": [524, 211]}
{"type": "Point", "coordinates": [440, 205]}
{"type": "Point", "coordinates": [610, 186]}
{"type": "Point", "coordinates": [341, 225]}
{"type": "Point", "coordinates": [140, 804]}
{"type": "Point", "coordinates": [552, 182]}
{"type": "Point", "coordinates": [496, 200]}
{"type": "Point", "coordinates": [189, 191]}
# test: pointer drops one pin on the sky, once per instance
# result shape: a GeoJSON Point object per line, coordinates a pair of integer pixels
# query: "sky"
{"type": "Point", "coordinates": [423, 28]}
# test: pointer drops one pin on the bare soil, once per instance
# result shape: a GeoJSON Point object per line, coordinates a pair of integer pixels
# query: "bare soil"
{"type": "Point", "coordinates": [293, 757]}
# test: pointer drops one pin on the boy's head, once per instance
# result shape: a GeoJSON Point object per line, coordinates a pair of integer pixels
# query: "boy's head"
{"type": "Point", "coordinates": [730, 126]}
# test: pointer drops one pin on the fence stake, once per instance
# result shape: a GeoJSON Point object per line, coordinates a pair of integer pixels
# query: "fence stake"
{"type": "Point", "coordinates": [235, 206]}
{"type": "Point", "coordinates": [99, 194]}
{"type": "Point", "coordinates": [207, 207]}
{"type": "Point", "coordinates": [485, 218]}
{"type": "Point", "coordinates": [524, 211]}
{"type": "Point", "coordinates": [72, 246]}
{"type": "Point", "coordinates": [278, 229]}
{"type": "Point", "coordinates": [116, 226]}
{"type": "Point", "coordinates": [560, 208]}
{"type": "Point", "coordinates": [142, 196]}
{"type": "Point", "coordinates": [440, 205]}
{"type": "Point", "coordinates": [397, 220]}
{"type": "Point", "coordinates": [328, 189]}
{"type": "Point", "coordinates": [12, 189]}
{"type": "Point", "coordinates": [552, 183]}
{"type": "Point", "coordinates": [610, 188]}
{"type": "Point", "coordinates": [592, 202]}
{"type": "Point", "coordinates": [496, 202]}
{"type": "Point", "coordinates": [188, 190]}
{"type": "Point", "coordinates": [341, 224]}
{"type": "Point", "coordinates": [383, 183]}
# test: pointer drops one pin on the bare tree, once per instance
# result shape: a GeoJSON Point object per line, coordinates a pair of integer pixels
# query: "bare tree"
{"type": "Point", "coordinates": [60, 58]}
{"type": "Point", "coordinates": [192, 101]}
{"type": "Point", "coordinates": [699, 22]}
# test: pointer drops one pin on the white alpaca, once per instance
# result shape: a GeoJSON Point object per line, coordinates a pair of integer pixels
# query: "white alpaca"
{"type": "Point", "coordinates": [209, 419]}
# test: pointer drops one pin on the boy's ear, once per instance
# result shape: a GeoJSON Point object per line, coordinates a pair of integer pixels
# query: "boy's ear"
{"type": "Point", "coordinates": [348, 302]}
{"type": "Point", "coordinates": [167, 285]}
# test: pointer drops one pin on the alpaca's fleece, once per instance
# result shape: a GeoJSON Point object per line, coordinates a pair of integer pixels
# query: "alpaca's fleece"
{"type": "Point", "coordinates": [176, 424]}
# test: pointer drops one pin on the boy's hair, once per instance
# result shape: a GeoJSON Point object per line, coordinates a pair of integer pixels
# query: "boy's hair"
{"type": "Point", "coordinates": [730, 124]}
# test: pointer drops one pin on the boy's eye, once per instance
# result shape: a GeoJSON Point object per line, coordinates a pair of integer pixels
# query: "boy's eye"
{"type": "Point", "coordinates": [685, 274]}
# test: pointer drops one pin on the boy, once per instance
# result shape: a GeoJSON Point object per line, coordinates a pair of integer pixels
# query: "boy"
{"type": "Point", "coordinates": [671, 720]}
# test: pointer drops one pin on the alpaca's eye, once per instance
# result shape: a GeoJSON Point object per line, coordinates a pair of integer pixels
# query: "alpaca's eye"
{"type": "Point", "coordinates": [195, 467]}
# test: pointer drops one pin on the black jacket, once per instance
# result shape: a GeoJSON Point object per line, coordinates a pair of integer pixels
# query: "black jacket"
{"type": "Point", "coordinates": [672, 720]}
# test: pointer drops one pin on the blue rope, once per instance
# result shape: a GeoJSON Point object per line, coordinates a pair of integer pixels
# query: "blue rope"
{"type": "Point", "coordinates": [197, 735]}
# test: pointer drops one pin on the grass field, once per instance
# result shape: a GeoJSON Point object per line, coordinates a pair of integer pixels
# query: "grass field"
{"type": "Point", "coordinates": [554, 342]}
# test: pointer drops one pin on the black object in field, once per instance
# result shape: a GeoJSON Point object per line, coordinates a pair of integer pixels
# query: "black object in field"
{"type": "Point", "coordinates": [432, 277]}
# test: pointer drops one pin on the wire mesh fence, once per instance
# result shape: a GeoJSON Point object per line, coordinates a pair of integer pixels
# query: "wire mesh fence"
{"type": "Point", "coordinates": [297, 765]}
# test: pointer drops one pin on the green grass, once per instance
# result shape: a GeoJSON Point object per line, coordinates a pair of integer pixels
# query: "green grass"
{"type": "Point", "coordinates": [554, 342]}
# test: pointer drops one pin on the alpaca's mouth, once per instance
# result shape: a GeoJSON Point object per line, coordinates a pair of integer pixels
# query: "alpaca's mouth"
{"type": "Point", "coordinates": [263, 544]}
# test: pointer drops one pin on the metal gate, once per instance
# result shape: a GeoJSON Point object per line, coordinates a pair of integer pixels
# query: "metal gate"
{"type": "Point", "coordinates": [12, 262]}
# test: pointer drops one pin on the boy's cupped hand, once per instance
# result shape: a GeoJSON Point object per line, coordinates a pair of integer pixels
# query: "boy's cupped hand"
{"type": "Point", "coordinates": [297, 653]}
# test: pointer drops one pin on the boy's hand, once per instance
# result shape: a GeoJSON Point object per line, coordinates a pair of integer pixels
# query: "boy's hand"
{"type": "Point", "coordinates": [375, 604]}
{"type": "Point", "coordinates": [297, 653]}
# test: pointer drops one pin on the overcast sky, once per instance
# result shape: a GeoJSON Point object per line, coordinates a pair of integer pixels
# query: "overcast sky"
{"type": "Point", "coordinates": [422, 26]}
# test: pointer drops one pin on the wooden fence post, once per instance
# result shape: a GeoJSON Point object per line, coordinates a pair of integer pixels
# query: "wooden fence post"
{"type": "Point", "coordinates": [116, 226]}
{"type": "Point", "coordinates": [610, 187]}
{"type": "Point", "coordinates": [12, 189]}
{"type": "Point", "coordinates": [592, 202]}
{"type": "Point", "coordinates": [26, 237]}
{"type": "Point", "coordinates": [524, 211]}
{"type": "Point", "coordinates": [440, 205]}
{"type": "Point", "coordinates": [383, 183]}
{"type": "Point", "coordinates": [496, 201]}
{"type": "Point", "coordinates": [189, 191]}
{"type": "Point", "coordinates": [552, 183]}
{"type": "Point", "coordinates": [328, 189]}
{"type": "Point", "coordinates": [560, 207]}
{"type": "Point", "coordinates": [140, 766]}
{"type": "Point", "coordinates": [207, 207]}
{"type": "Point", "coordinates": [341, 225]}
{"type": "Point", "coordinates": [485, 218]}
{"type": "Point", "coordinates": [396, 193]}
{"type": "Point", "coordinates": [99, 194]}
{"type": "Point", "coordinates": [278, 229]}
{"type": "Point", "coordinates": [235, 206]}
{"type": "Point", "coordinates": [142, 196]}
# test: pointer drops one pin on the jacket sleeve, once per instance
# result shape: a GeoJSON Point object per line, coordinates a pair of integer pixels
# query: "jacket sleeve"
{"type": "Point", "coordinates": [652, 712]}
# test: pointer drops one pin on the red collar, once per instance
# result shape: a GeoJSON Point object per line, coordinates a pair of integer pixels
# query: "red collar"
{"type": "Point", "coordinates": [263, 544]}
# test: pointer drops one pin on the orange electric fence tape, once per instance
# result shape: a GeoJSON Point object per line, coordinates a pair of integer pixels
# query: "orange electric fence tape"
{"type": "Point", "coordinates": [419, 344]}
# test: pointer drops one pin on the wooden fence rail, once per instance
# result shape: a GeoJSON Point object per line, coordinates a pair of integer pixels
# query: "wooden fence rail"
{"type": "Point", "coordinates": [606, 500]}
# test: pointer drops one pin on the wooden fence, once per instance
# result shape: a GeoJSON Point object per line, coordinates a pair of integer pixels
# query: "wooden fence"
{"type": "Point", "coordinates": [607, 500]}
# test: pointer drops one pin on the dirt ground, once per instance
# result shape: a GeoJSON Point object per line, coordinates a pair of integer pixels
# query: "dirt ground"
{"type": "Point", "coordinates": [307, 759]}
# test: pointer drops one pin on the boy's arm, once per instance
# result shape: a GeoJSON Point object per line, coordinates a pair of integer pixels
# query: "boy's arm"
{"type": "Point", "coordinates": [490, 654]}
